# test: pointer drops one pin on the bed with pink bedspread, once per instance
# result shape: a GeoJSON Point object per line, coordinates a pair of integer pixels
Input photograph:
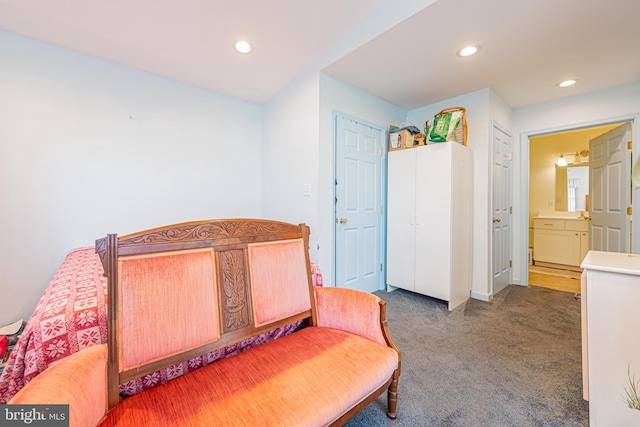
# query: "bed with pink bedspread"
{"type": "Point", "coordinates": [72, 315]}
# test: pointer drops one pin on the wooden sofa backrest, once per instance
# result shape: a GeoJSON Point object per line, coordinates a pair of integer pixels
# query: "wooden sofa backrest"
{"type": "Point", "coordinates": [181, 291]}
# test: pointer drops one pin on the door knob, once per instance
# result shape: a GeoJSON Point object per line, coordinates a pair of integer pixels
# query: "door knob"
{"type": "Point", "coordinates": [496, 219]}
{"type": "Point", "coordinates": [343, 220]}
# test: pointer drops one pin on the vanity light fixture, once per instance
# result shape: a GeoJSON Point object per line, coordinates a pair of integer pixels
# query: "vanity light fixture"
{"type": "Point", "coordinates": [243, 46]}
{"type": "Point", "coordinates": [562, 161]}
{"type": "Point", "coordinates": [567, 83]}
{"type": "Point", "coordinates": [468, 50]}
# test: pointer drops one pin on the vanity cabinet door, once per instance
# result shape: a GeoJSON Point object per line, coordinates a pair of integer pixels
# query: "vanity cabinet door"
{"type": "Point", "coordinates": [557, 246]}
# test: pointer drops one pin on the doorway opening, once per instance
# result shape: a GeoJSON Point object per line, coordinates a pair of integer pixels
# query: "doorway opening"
{"type": "Point", "coordinates": [559, 201]}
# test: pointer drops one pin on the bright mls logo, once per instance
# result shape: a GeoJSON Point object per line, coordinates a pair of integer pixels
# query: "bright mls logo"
{"type": "Point", "coordinates": [35, 415]}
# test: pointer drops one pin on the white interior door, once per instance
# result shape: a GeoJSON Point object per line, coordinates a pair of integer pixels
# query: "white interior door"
{"type": "Point", "coordinates": [358, 205]}
{"type": "Point", "coordinates": [501, 210]}
{"type": "Point", "coordinates": [610, 190]}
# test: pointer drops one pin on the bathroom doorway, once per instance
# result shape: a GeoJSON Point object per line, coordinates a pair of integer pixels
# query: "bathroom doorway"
{"type": "Point", "coordinates": [559, 188]}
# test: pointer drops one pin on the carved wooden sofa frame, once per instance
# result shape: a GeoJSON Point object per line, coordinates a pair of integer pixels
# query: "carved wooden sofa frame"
{"type": "Point", "coordinates": [217, 283]}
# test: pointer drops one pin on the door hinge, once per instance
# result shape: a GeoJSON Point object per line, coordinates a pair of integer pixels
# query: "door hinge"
{"type": "Point", "coordinates": [380, 267]}
{"type": "Point", "coordinates": [510, 209]}
{"type": "Point", "coordinates": [380, 151]}
{"type": "Point", "coordinates": [510, 155]}
{"type": "Point", "coordinates": [510, 263]}
{"type": "Point", "coordinates": [380, 208]}
{"type": "Point", "coordinates": [629, 211]}
{"type": "Point", "coordinates": [630, 145]}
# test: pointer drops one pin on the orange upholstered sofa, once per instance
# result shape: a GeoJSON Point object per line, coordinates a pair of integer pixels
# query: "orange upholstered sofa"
{"type": "Point", "coordinates": [188, 289]}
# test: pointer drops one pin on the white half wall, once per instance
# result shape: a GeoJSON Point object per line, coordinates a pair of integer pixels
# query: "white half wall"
{"type": "Point", "coordinates": [89, 147]}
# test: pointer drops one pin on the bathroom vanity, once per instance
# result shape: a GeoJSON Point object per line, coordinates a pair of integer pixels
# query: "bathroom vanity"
{"type": "Point", "coordinates": [560, 242]}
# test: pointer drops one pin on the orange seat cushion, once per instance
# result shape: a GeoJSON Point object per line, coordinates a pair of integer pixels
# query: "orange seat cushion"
{"type": "Point", "coordinates": [308, 378]}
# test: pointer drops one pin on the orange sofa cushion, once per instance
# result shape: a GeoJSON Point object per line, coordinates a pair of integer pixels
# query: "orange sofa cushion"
{"type": "Point", "coordinates": [308, 378]}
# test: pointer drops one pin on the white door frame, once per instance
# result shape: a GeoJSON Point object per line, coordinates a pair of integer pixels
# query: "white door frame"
{"type": "Point", "coordinates": [384, 137]}
{"type": "Point", "coordinates": [524, 184]}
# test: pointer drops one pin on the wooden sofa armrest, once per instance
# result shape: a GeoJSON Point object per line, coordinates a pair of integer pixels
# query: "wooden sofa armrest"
{"type": "Point", "coordinates": [79, 380]}
{"type": "Point", "coordinates": [354, 311]}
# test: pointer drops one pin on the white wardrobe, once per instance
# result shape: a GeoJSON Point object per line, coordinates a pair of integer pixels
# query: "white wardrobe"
{"type": "Point", "coordinates": [430, 221]}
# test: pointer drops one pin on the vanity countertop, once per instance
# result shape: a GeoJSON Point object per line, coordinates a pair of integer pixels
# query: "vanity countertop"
{"type": "Point", "coordinates": [561, 215]}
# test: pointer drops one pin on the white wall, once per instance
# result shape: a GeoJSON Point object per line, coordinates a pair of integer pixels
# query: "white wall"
{"type": "Point", "coordinates": [89, 147]}
{"type": "Point", "coordinates": [89, 117]}
{"type": "Point", "coordinates": [500, 111]}
{"type": "Point", "coordinates": [299, 107]}
{"type": "Point", "coordinates": [484, 107]}
{"type": "Point", "coordinates": [290, 156]}
{"type": "Point", "coordinates": [86, 118]}
{"type": "Point", "coordinates": [299, 150]}
{"type": "Point", "coordinates": [605, 106]}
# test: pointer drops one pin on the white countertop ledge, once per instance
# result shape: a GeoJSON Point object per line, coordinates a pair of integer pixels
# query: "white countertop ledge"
{"type": "Point", "coordinates": [613, 262]}
{"type": "Point", "coordinates": [566, 218]}
{"type": "Point", "coordinates": [559, 215]}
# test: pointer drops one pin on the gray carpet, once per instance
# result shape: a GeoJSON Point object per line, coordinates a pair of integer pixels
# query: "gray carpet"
{"type": "Point", "coordinates": [514, 361]}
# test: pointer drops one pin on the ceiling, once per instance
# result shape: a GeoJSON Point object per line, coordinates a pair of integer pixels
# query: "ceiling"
{"type": "Point", "coordinates": [526, 46]}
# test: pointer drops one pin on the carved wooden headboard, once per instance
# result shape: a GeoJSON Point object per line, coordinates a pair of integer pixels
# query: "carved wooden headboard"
{"type": "Point", "coordinates": [181, 291]}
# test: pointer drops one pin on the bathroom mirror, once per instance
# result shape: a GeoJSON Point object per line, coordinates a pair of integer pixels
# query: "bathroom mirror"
{"type": "Point", "coordinates": [572, 188]}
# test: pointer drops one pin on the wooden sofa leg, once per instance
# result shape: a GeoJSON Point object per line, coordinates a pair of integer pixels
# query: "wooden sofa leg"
{"type": "Point", "coordinates": [392, 396]}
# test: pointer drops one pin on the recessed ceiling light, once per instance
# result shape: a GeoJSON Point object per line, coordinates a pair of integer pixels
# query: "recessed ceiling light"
{"type": "Point", "coordinates": [468, 51]}
{"type": "Point", "coordinates": [567, 83]}
{"type": "Point", "coordinates": [243, 46]}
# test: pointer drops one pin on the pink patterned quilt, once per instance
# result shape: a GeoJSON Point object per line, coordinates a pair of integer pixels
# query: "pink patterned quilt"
{"type": "Point", "coordinates": [71, 315]}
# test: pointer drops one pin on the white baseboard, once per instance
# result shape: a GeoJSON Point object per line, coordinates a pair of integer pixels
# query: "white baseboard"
{"type": "Point", "coordinates": [481, 296]}
{"type": "Point", "coordinates": [472, 294]}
